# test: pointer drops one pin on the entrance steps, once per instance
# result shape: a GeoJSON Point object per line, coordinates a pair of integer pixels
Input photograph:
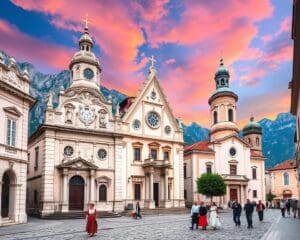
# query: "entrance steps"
{"type": "Point", "coordinates": [6, 222]}
{"type": "Point", "coordinates": [78, 215]}
{"type": "Point", "coordinates": [160, 211]}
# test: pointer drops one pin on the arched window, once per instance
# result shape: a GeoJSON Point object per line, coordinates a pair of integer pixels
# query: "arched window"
{"type": "Point", "coordinates": [230, 115]}
{"type": "Point", "coordinates": [87, 48]}
{"type": "Point", "coordinates": [286, 179]}
{"type": "Point", "coordinates": [257, 141]}
{"type": "Point", "coordinates": [249, 141]}
{"type": "Point", "coordinates": [215, 117]}
{"type": "Point", "coordinates": [102, 193]}
{"type": "Point", "coordinates": [222, 82]}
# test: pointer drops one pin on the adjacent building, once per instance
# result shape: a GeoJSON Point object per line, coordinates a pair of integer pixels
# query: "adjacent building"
{"type": "Point", "coordinates": [283, 178]}
{"type": "Point", "coordinates": [238, 159]}
{"type": "Point", "coordinates": [85, 151]}
{"type": "Point", "coordinates": [295, 83]}
{"type": "Point", "coordinates": [15, 104]}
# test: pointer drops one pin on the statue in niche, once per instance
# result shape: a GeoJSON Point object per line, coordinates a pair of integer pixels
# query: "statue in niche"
{"type": "Point", "coordinates": [50, 99]}
{"type": "Point", "coordinates": [69, 113]}
{"type": "Point", "coordinates": [102, 118]}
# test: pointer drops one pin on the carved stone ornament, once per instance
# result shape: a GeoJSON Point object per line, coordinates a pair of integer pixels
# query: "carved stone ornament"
{"type": "Point", "coordinates": [102, 118]}
{"type": "Point", "coordinates": [87, 115]}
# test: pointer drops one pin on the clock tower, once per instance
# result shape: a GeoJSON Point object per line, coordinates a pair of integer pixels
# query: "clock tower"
{"type": "Point", "coordinates": [85, 67]}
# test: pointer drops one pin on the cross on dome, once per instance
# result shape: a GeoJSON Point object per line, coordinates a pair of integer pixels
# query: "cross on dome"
{"type": "Point", "coordinates": [86, 22]}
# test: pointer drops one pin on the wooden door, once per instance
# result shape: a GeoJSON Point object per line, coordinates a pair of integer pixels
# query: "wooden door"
{"type": "Point", "coordinates": [156, 194]}
{"type": "Point", "coordinates": [233, 194]}
{"type": "Point", "coordinates": [76, 193]}
{"type": "Point", "coordinates": [5, 195]}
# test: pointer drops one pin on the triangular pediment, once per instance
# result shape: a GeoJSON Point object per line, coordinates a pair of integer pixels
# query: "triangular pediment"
{"type": "Point", "coordinates": [150, 85]}
{"type": "Point", "coordinates": [13, 110]}
{"type": "Point", "coordinates": [77, 163]}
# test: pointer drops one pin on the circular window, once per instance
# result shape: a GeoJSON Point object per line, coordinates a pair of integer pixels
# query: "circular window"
{"type": "Point", "coordinates": [167, 129]}
{"type": "Point", "coordinates": [153, 119]}
{"type": "Point", "coordinates": [68, 151]}
{"type": "Point", "coordinates": [136, 124]}
{"type": "Point", "coordinates": [232, 151]}
{"type": "Point", "coordinates": [102, 153]}
{"type": "Point", "coordinates": [153, 94]}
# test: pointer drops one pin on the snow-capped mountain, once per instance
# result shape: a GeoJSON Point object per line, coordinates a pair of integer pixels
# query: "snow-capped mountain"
{"type": "Point", "coordinates": [278, 135]}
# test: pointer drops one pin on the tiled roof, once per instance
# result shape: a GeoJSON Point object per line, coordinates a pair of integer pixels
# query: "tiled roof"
{"type": "Point", "coordinates": [200, 146]}
{"type": "Point", "coordinates": [284, 165]}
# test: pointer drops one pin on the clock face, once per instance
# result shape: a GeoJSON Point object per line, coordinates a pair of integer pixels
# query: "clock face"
{"type": "Point", "coordinates": [88, 73]}
{"type": "Point", "coordinates": [87, 115]}
{"type": "Point", "coordinates": [232, 151]}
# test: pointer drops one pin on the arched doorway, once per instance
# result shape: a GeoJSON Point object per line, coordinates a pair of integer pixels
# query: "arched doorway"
{"type": "Point", "coordinates": [7, 194]}
{"type": "Point", "coordinates": [102, 193]}
{"type": "Point", "coordinates": [76, 193]}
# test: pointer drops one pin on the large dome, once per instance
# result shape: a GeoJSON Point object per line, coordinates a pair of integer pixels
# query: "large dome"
{"type": "Point", "coordinates": [252, 127]}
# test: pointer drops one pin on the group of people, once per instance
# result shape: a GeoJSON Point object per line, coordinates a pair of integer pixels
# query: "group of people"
{"type": "Point", "coordinates": [200, 218]}
{"type": "Point", "coordinates": [286, 206]}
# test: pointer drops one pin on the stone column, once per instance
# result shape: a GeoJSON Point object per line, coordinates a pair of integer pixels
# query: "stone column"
{"type": "Point", "coordinates": [166, 188]}
{"type": "Point", "coordinates": [65, 203]}
{"type": "Point", "coordinates": [92, 185]}
{"type": "Point", "coordinates": [151, 186]}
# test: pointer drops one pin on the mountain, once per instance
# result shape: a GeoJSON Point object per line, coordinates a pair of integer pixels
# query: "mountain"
{"type": "Point", "coordinates": [278, 135]}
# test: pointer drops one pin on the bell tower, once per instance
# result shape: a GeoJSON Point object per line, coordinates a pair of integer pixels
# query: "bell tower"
{"type": "Point", "coordinates": [222, 105]}
{"type": "Point", "coordinates": [84, 66]}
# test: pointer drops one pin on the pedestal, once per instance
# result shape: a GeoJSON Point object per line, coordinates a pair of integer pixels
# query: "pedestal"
{"type": "Point", "coordinates": [150, 204]}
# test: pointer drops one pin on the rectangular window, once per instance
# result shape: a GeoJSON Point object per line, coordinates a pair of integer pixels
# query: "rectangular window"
{"type": "Point", "coordinates": [154, 154]}
{"type": "Point", "coordinates": [208, 168]}
{"type": "Point", "coordinates": [137, 154]}
{"type": "Point", "coordinates": [28, 162]}
{"type": "Point", "coordinates": [137, 191]}
{"type": "Point", "coordinates": [185, 194]}
{"type": "Point", "coordinates": [184, 171]}
{"type": "Point", "coordinates": [36, 162]}
{"type": "Point", "coordinates": [233, 170]}
{"type": "Point", "coordinates": [169, 191]}
{"type": "Point", "coordinates": [166, 155]}
{"type": "Point", "coordinates": [11, 133]}
{"type": "Point", "coordinates": [254, 193]}
{"type": "Point", "coordinates": [253, 173]}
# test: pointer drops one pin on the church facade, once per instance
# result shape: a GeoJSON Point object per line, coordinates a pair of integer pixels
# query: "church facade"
{"type": "Point", "coordinates": [86, 152]}
{"type": "Point", "coordinates": [238, 159]}
{"type": "Point", "coordinates": [15, 103]}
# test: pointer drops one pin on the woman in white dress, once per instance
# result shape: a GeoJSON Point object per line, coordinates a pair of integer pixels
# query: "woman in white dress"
{"type": "Point", "coordinates": [214, 220]}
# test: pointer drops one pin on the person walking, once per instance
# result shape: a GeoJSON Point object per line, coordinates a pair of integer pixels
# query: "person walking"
{"type": "Point", "coordinates": [194, 215]}
{"type": "Point", "coordinates": [294, 207]}
{"type": "Point", "coordinates": [202, 216]}
{"type": "Point", "coordinates": [282, 207]}
{"type": "Point", "coordinates": [237, 210]}
{"type": "Point", "coordinates": [288, 207]}
{"type": "Point", "coordinates": [138, 211]}
{"type": "Point", "coordinates": [91, 220]}
{"type": "Point", "coordinates": [249, 208]}
{"type": "Point", "coordinates": [260, 207]}
{"type": "Point", "coordinates": [214, 220]}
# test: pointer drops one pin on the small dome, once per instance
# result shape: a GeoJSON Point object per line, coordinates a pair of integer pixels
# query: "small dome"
{"type": "Point", "coordinates": [222, 70]}
{"type": "Point", "coordinates": [252, 127]}
{"type": "Point", "coordinates": [86, 38]}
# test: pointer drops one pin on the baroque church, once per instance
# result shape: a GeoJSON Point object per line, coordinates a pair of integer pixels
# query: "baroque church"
{"type": "Point", "coordinates": [85, 152]}
{"type": "Point", "coordinates": [238, 159]}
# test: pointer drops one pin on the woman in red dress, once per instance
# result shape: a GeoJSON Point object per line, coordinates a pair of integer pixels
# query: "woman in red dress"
{"type": "Point", "coordinates": [202, 216]}
{"type": "Point", "coordinates": [91, 220]}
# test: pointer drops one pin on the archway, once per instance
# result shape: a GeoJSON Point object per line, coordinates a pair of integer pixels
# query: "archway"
{"type": "Point", "coordinates": [76, 193]}
{"type": "Point", "coordinates": [7, 194]}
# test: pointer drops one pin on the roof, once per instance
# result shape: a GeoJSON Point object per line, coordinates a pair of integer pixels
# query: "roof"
{"type": "Point", "coordinates": [288, 164]}
{"type": "Point", "coordinates": [199, 146]}
{"type": "Point", "coordinates": [125, 104]}
{"type": "Point", "coordinates": [252, 127]}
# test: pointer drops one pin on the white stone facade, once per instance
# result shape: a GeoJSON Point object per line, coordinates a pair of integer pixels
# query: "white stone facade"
{"type": "Point", "coordinates": [84, 152]}
{"type": "Point", "coordinates": [238, 160]}
{"type": "Point", "coordinates": [15, 103]}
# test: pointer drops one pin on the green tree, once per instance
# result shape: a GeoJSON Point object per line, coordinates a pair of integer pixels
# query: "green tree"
{"type": "Point", "coordinates": [210, 185]}
{"type": "Point", "coordinates": [270, 196]}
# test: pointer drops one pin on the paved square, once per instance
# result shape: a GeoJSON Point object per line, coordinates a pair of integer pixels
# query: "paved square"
{"type": "Point", "coordinates": [150, 227]}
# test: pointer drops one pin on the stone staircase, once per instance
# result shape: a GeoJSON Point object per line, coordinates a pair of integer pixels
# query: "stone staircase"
{"type": "Point", "coordinates": [6, 222]}
{"type": "Point", "coordinates": [78, 215]}
{"type": "Point", "coordinates": [159, 211]}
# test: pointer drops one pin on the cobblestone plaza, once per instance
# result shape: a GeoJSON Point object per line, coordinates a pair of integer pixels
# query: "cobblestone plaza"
{"type": "Point", "coordinates": [150, 227]}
